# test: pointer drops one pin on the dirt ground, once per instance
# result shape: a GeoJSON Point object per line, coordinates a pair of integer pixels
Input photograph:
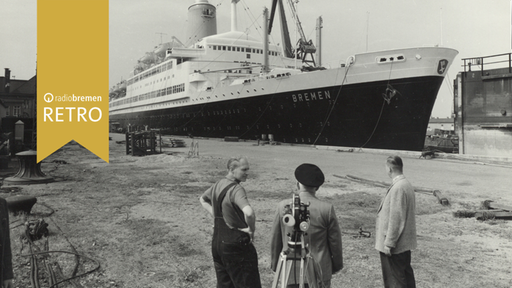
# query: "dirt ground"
{"type": "Point", "coordinates": [140, 219]}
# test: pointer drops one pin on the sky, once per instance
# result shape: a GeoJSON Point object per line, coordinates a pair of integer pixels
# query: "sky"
{"type": "Point", "coordinates": [475, 28]}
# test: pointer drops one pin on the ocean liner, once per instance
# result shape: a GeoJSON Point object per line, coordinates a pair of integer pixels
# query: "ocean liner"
{"type": "Point", "coordinates": [234, 85]}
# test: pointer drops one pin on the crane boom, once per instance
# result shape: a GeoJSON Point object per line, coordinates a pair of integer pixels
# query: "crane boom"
{"type": "Point", "coordinates": [304, 47]}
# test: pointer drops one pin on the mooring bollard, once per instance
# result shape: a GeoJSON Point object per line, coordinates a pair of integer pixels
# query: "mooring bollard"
{"type": "Point", "coordinates": [29, 171]}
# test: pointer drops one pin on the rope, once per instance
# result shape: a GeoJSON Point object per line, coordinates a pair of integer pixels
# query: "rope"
{"type": "Point", "coordinates": [35, 251]}
{"type": "Point", "coordinates": [377, 124]}
{"type": "Point", "coordinates": [66, 252]}
{"type": "Point", "coordinates": [335, 99]}
{"type": "Point", "coordinates": [389, 87]}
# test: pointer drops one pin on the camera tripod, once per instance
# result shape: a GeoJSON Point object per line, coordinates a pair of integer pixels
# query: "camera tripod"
{"type": "Point", "coordinates": [288, 259]}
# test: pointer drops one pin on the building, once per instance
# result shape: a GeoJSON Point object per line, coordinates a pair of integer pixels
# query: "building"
{"type": "Point", "coordinates": [483, 106]}
{"type": "Point", "coordinates": [17, 102]}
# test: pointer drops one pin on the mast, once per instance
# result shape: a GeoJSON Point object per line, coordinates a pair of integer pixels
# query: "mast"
{"type": "Point", "coordinates": [265, 40]}
{"type": "Point", "coordinates": [319, 27]}
{"type": "Point", "coordinates": [234, 15]}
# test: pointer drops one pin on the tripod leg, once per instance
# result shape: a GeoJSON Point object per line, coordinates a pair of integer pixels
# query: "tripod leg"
{"type": "Point", "coordinates": [301, 279]}
{"type": "Point", "coordinates": [282, 272]}
{"type": "Point", "coordinates": [287, 268]}
{"type": "Point", "coordinates": [278, 272]}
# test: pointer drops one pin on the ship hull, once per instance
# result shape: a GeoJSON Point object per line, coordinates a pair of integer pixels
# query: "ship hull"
{"type": "Point", "coordinates": [391, 114]}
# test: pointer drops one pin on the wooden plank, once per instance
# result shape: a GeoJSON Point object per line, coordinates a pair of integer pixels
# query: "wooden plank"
{"type": "Point", "coordinates": [493, 215]}
{"type": "Point", "coordinates": [383, 184]}
{"type": "Point", "coordinates": [376, 183]}
{"type": "Point", "coordinates": [493, 205]}
{"type": "Point", "coordinates": [443, 200]}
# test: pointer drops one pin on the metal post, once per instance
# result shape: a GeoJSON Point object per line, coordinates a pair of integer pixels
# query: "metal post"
{"type": "Point", "coordinates": [481, 66]}
{"type": "Point", "coordinates": [509, 62]}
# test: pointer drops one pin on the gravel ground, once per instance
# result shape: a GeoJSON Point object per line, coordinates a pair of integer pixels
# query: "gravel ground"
{"type": "Point", "coordinates": [140, 218]}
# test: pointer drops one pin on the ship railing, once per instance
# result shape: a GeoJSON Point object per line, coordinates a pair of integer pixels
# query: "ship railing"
{"type": "Point", "coordinates": [491, 61]}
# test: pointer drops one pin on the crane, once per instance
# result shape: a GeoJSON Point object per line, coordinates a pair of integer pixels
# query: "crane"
{"type": "Point", "coordinates": [304, 47]}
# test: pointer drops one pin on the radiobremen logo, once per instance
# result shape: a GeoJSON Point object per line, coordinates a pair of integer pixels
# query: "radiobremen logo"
{"type": "Point", "coordinates": [81, 117]}
{"type": "Point", "coordinates": [72, 84]}
{"type": "Point", "coordinates": [73, 113]}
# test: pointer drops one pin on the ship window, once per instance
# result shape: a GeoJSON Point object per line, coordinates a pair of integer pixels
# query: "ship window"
{"type": "Point", "coordinates": [248, 56]}
{"type": "Point", "coordinates": [214, 47]}
{"type": "Point", "coordinates": [229, 48]}
{"type": "Point", "coordinates": [238, 49]}
{"type": "Point", "coordinates": [223, 47]}
{"type": "Point", "coordinates": [242, 49]}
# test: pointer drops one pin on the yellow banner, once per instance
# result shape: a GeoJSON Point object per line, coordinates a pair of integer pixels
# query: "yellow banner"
{"type": "Point", "coordinates": [72, 75]}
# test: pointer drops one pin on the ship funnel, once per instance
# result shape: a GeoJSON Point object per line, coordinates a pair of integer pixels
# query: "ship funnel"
{"type": "Point", "coordinates": [234, 15]}
{"type": "Point", "coordinates": [202, 21]}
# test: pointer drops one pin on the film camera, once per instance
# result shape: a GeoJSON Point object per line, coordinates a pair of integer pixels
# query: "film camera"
{"type": "Point", "coordinates": [297, 217]}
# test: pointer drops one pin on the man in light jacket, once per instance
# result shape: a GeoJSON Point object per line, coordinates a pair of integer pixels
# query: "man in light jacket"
{"type": "Point", "coordinates": [395, 234]}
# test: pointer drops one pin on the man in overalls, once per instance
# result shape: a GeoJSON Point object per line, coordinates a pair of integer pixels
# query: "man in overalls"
{"type": "Point", "coordinates": [234, 255]}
